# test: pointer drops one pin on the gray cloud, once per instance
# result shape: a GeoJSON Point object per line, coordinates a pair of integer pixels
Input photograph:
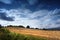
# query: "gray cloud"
{"type": "Point", "coordinates": [3, 16]}
{"type": "Point", "coordinates": [40, 19]}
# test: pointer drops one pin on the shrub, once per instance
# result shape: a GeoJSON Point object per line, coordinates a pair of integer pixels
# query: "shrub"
{"type": "Point", "coordinates": [21, 26]}
{"type": "Point", "coordinates": [44, 29]}
{"type": "Point", "coordinates": [0, 26]}
{"type": "Point", "coordinates": [28, 26]}
{"type": "Point", "coordinates": [36, 28]}
{"type": "Point", "coordinates": [9, 26]}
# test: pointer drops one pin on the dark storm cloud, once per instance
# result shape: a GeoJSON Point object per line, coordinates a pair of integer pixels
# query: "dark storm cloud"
{"type": "Point", "coordinates": [41, 12]}
{"type": "Point", "coordinates": [46, 4]}
{"type": "Point", "coordinates": [39, 4]}
{"type": "Point", "coordinates": [30, 4]}
{"type": "Point", "coordinates": [6, 1]}
{"type": "Point", "coordinates": [3, 16]}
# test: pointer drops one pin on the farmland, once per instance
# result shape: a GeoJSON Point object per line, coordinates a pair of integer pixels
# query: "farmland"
{"type": "Point", "coordinates": [49, 34]}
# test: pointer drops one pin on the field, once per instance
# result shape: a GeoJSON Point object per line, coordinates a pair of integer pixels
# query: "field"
{"type": "Point", "coordinates": [5, 34]}
{"type": "Point", "coordinates": [49, 34]}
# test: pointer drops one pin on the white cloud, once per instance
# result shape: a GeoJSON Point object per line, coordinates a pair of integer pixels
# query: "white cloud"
{"type": "Point", "coordinates": [44, 22]}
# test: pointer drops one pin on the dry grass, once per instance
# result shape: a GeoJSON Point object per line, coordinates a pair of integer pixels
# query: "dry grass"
{"type": "Point", "coordinates": [42, 33]}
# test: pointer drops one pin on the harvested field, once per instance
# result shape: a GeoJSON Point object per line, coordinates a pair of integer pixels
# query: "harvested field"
{"type": "Point", "coordinates": [55, 35]}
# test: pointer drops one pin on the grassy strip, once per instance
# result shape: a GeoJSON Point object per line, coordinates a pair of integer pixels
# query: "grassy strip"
{"type": "Point", "coordinates": [7, 35]}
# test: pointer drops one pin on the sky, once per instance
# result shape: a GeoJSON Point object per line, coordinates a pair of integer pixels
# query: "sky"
{"type": "Point", "coordinates": [35, 13]}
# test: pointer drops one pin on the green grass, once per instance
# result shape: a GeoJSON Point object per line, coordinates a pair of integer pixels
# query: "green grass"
{"type": "Point", "coordinates": [7, 35]}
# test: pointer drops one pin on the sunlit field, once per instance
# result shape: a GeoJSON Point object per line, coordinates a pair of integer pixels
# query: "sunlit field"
{"type": "Point", "coordinates": [49, 34]}
{"type": "Point", "coordinates": [29, 19]}
{"type": "Point", "coordinates": [5, 34]}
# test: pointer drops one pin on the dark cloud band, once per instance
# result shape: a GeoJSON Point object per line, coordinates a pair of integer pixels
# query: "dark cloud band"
{"type": "Point", "coordinates": [3, 16]}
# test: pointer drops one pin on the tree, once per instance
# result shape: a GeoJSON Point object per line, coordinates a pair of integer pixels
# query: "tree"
{"type": "Point", "coordinates": [36, 28]}
{"type": "Point", "coordinates": [9, 26]}
{"type": "Point", "coordinates": [28, 26]}
{"type": "Point", "coordinates": [21, 26]}
{"type": "Point", "coordinates": [44, 29]}
{"type": "Point", "coordinates": [0, 26]}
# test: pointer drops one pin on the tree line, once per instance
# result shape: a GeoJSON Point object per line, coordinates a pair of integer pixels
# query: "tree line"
{"type": "Point", "coordinates": [21, 26]}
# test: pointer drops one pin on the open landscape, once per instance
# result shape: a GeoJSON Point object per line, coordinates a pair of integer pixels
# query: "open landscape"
{"type": "Point", "coordinates": [21, 33]}
{"type": "Point", "coordinates": [51, 35]}
{"type": "Point", "coordinates": [29, 19]}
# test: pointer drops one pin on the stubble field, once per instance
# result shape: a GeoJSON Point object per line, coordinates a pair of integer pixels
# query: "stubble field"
{"type": "Point", "coordinates": [51, 35]}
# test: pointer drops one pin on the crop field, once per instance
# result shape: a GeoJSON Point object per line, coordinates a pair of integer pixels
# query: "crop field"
{"type": "Point", "coordinates": [5, 34]}
{"type": "Point", "coordinates": [49, 34]}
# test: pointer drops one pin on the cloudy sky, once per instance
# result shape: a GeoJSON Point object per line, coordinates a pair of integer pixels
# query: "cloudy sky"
{"type": "Point", "coordinates": [36, 13]}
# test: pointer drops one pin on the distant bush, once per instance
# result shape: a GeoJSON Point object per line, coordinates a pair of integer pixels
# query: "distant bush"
{"type": "Point", "coordinates": [16, 26]}
{"type": "Point", "coordinates": [44, 29]}
{"type": "Point", "coordinates": [9, 26]}
{"type": "Point", "coordinates": [28, 26]}
{"type": "Point", "coordinates": [21, 26]}
{"type": "Point", "coordinates": [36, 28]}
{"type": "Point", "coordinates": [0, 26]}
